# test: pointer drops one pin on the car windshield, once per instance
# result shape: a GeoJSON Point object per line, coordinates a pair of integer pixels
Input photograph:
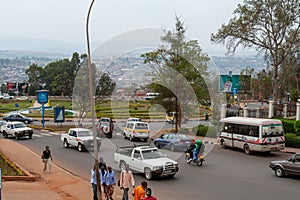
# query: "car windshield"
{"type": "Point", "coordinates": [20, 125]}
{"type": "Point", "coordinates": [141, 126]}
{"type": "Point", "coordinates": [272, 130]}
{"type": "Point", "coordinates": [104, 120]}
{"type": "Point", "coordinates": [152, 154]}
{"type": "Point", "coordinates": [84, 133]}
{"type": "Point", "coordinates": [182, 136]}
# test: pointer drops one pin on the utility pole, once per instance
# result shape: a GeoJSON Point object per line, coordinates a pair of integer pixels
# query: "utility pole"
{"type": "Point", "coordinates": [92, 100]}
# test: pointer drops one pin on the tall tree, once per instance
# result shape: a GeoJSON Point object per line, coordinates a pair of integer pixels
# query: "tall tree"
{"type": "Point", "coordinates": [35, 78]}
{"type": "Point", "coordinates": [105, 87]}
{"type": "Point", "coordinates": [270, 26]}
{"type": "Point", "coordinates": [178, 69]}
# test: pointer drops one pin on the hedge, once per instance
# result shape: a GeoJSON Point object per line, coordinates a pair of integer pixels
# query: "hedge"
{"type": "Point", "coordinates": [297, 127]}
{"type": "Point", "coordinates": [208, 131]}
{"type": "Point", "coordinates": [292, 140]}
{"type": "Point", "coordinates": [288, 125]}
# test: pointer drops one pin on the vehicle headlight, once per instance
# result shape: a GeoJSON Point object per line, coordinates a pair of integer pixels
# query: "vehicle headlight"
{"type": "Point", "coordinates": [157, 168]}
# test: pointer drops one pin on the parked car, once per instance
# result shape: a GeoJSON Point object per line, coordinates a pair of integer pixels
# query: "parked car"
{"type": "Point", "coordinates": [18, 117]}
{"type": "Point", "coordinates": [22, 98]}
{"type": "Point", "coordinates": [6, 96]}
{"type": "Point", "coordinates": [173, 141]}
{"type": "Point", "coordinates": [290, 166]}
{"type": "Point", "coordinates": [2, 125]}
{"type": "Point", "coordinates": [17, 129]}
{"type": "Point", "coordinates": [105, 125]}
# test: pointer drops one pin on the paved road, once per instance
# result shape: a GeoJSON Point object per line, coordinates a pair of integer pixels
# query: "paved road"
{"type": "Point", "coordinates": [226, 174]}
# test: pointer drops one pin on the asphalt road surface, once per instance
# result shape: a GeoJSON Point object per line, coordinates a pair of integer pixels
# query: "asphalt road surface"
{"type": "Point", "coordinates": [226, 174]}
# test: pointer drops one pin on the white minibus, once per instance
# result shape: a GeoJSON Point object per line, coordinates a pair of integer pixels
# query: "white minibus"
{"type": "Point", "coordinates": [251, 134]}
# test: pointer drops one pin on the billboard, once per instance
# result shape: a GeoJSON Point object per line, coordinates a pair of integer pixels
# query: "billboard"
{"type": "Point", "coordinates": [23, 88]}
{"type": "Point", "coordinates": [11, 86]}
{"type": "Point", "coordinates": [235, 83]}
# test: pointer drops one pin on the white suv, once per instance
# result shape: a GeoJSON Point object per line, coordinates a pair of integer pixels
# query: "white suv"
{"type": "Point", "coordinates": [17, 129]}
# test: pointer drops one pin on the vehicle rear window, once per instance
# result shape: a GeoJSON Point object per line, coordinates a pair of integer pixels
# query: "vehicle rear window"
{"type": "Point", "coordinates": [141, 126]}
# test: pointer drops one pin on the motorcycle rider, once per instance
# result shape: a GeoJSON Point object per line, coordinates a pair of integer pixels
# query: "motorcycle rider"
{"type": "Point", "coordinates": [191, 148]}
{"type": "Point", "coordinates": [196, 150]}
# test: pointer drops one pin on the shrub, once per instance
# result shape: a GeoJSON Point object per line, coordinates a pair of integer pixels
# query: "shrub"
{"type": "Point", "coordinates": [183, 130]}
{"type": "Point", "coordinates": [292, 140]}
{"type": "Point", "coordinates": [297, 127]}
{"type": "Point", "coordinates": [200, 130]}
{"type": "Point", "coordinates": [288, 125]}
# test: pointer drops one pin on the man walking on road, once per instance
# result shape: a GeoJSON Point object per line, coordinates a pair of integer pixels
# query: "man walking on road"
{"type": "Point", "coordinates": [126, 180]}
{"type": "Point", "coordinates": [47, 158]}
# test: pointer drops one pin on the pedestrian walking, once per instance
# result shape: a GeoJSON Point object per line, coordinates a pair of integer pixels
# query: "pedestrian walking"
{"type": "Point", "coordinates": [47, 158]}
{"type": "Point", "coordinates": [149, 195]}
{"type": "Point", "coordinates": [110, 182]}
{"type": "Point", "coordinates": [140, 191]}
{"type": "Point", "coordinates": [102, 166]}
{"type": "Point", "coordinates": [103, 169]}
{"type": "Point", "coordinates": [94, 182]}
{"type": "Point", "coordinates": [126, 181]}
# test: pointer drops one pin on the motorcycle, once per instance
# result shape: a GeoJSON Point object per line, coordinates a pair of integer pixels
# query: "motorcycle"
{"type": "Point", "coordinates": [189, 158]}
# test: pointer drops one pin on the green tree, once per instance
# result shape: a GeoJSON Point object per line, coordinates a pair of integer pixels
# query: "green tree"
{"type": "Point", "coordinates": [35, 78]}
{"type": "Point", "coordinates": [105, 87]}
{"type": "Point", "coordinates": [178, 68]}
{"type": "Point", "coordinates": [270, 26]}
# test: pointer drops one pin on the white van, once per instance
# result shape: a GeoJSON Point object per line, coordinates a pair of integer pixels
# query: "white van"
{"type": "Point", "coordinates": [136, 129]}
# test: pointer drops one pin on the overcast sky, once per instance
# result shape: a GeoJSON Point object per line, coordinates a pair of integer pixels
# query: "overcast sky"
{"type": "Point", "coordinates": [64, 20]}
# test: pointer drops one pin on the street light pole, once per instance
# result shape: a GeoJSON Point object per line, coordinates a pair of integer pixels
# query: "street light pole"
{"type": "Point", "coordinates": [91, 84]}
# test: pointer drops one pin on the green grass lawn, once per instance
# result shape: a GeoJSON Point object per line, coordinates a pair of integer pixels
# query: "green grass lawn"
{"type": "Point", "coordinates": [115, 109]}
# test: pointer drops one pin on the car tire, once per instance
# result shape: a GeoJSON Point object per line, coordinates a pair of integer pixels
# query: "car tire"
{"type": "Point", "coordinates": [80, 147]}
{"type": "Point", "coordinates": [279, 172]}
{"type": "Point", "coordinates": [157, 144]}
{"type": "Point", "coordinates": [30, 136]}
{"type": "Point", "coordinates": [172, 147]}
{"type": "Point", "coordinates": [17, 136]}
{"type": "Point", "coordinates": [5, 135]}
{"type": "Point", "coordinates": [247, 149]}
{"type": "Point", "coordinates": [26, 122]}
{"type": "Point", "coordinates": [131, 138]}
{"type": "Point", "coordinates": [148, 173]}
{"type": "Point", "coordinates": [222, 143]}
{"type": "Point", "coordinates": [65, 143]}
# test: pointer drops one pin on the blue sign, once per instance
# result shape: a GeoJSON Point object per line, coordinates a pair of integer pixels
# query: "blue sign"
{"type": "Point", "coordinates": [43, 96]}
{"type": "Point", "coordinates": [59, 114]}
{"type": "Point", "coordinates": [234, 91]}
{"type": "Point", "coordinates": [17, 105]}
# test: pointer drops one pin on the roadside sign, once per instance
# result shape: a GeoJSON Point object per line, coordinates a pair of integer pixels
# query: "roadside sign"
{"type": "Point", "coordinates": [59, 114]}
{"type": "Point", "coordinates": [43, 96]}
{"type": "Point", "coordinates": [17, 105]}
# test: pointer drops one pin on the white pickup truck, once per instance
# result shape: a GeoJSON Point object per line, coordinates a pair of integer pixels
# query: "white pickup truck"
{"type": "Point", "coordinates": [81, 138]}
{"type": "Point", "coordinates": [146, 159]}
{"type": "Point", "coordinates": [17, 129]}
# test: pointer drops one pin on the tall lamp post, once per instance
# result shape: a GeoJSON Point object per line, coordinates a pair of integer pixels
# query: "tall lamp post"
{"type": "Point", "coordinates": [91, 84]}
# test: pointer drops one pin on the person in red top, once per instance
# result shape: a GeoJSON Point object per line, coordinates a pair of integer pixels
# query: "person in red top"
{"type": "Point", "coordinates": [149, 195]}
{"type": "Point", "coordinates": [139, 191]}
